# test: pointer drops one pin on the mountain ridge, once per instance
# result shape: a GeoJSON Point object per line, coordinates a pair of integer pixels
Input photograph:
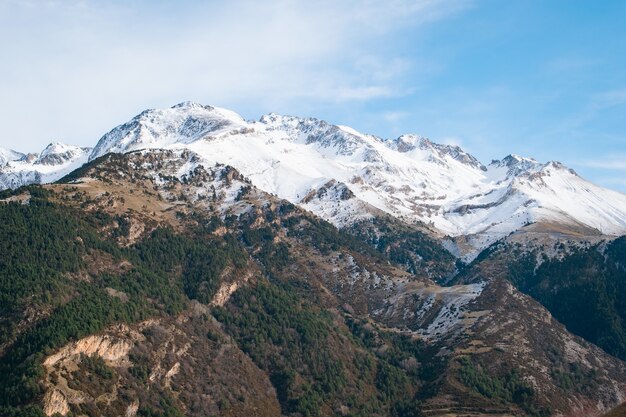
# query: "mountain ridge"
{"type": "Point", "coordinates": [408, 177]}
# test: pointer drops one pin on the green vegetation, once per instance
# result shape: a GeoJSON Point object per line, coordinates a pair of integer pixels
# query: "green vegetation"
{"type": "Point", "coordinates": [95, 365]}
{"type": "Point", "coordinates": [509, 387]}
{"type": "Point", "coordinates": [404, 362]}
{"type": "Point", "coordinates": [40, 243]}
{"type": "Point", "coordinates": [92, 376]}
{"type": "Point", "coordinates": [584, 291]}
{"type": "Point", "coordinates": [167, 408]}
{"type": "Point", "coordinates": [66, 264]}
{"type": "Point", "coordinates": [290, 341]}
{"type": "Point", "coordinates": [201, 258]}
{"type": "Point", "coordinates": [403, 245]}
{"type": "Point", "coordinates": [45, 248]}
{"type": "Point", "coordinates": [325, 237]}
{"type": "Point", "coordinates": [575, 378]}
{"type": "Point", "coordinates": [314, 364]}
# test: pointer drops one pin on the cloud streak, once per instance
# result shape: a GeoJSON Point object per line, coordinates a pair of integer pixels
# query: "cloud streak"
{"type": "Point", "coordinates": [77, 68]}
{"type": "Point", "coordinates": [615, 163]}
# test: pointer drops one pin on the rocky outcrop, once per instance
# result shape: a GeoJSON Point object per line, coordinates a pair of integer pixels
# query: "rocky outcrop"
{"type": "Point", "coordinates": [111, 348]}
{"type": "Point", "coordinates": [139, 365]}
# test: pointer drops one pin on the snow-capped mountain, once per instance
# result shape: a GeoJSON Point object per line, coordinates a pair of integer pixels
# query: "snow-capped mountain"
{"type": "Point", "coordinates": [7, 155]}
{"type": "Point", "coordinates": [345, 176]}
{"type": "Point", "coordinates": [409, 177]}
{"type": "Point", "coordinates": [184, 123]}
{"type": "Point", "coordinates": [55, 161]}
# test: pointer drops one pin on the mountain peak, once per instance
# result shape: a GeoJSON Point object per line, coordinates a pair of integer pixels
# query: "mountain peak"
{"type": "Point", "coordinates": [516, 164]}
{"type": "Point", "coordinates": [57, 153]}
{"type": "Point", "coordinates": [183, 123]}
{"type": "Point", "coordinates": [409, 142]}
{"type": "Point", "coordinates": [514, 159]}
{"type": "Point", "coordinates": [8, 155]}
{"type": "Point", "coordinates": [190, 105]}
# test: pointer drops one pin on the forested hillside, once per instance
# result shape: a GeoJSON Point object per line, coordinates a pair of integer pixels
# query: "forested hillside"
{"type": "Point", "coordinates": [150, 285]}
{"type": "Point", "coordinates": [583, 288]}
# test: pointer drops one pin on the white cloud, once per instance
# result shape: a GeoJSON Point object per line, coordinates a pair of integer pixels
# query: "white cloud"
{"type": "Point", "coordinates": [617, 163]}
{"type": "Point", "coordinates": [73, 69]}
{"type": "Point", "coordinates": [608, 99]}
{"type": "Point", "coordinates": [394, 116]}
{"type": "Point", "coordinates": [452, 141]}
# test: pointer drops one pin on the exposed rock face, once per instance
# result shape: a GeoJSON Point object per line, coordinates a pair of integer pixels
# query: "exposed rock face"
{"type": "Point", "coordinates": [55, 403]}
{"type": "Point", "coordinates": [178, 358]}
{"type": "Point", "coordinates": [109, 347]}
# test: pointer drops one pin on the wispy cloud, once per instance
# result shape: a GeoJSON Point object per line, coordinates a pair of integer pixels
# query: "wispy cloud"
{"type": "Point", "coordinates": [394, 116]}
{"type": "Point", "coordinates": [452, 141]}
{"type": "Point", "coordinates": [617, 163]}
{"type": "Point", "coordinates": [607, 99]}
{"type": "Point", "coordinates": [81, 66]}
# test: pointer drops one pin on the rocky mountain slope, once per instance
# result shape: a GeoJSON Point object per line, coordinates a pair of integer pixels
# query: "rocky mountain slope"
{"type": "Point", "coordinates": [345, 176]}
{"type": "Point", "coordinates": [159, 283]}
{"type": "Point", "coordinates": [580, 280]}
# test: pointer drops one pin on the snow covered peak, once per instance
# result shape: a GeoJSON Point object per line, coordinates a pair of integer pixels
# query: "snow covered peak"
{"type": "Point", "coordinates": [436, 152]}
{"type": "Point", "coordinates": [410, 177]}
{"type": "Point", "coordinates": [516, 165]}
{"type": "Point", "coordinates": [59, 153]}
{"type": "Point", "coordinates": [55, 161]}
{"type": "Point", "coordinates": [331, 139]}
{"type": "Point", "coordinates": [276, 121]}
{"type": "Point", "coordinates": [7, 155]}
{"type": "Point", "coordinates": [191, 104]}
{"type": "Point", "coordinates": [407, 143]}
{"type": "Point", "coordinates": [515, 160]}
{"type": "Point", "coordinates": [181, 124]}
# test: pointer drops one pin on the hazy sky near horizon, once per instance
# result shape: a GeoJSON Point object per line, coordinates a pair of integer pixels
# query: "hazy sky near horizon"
{"type": "Point", "coordinates": [545, 79]}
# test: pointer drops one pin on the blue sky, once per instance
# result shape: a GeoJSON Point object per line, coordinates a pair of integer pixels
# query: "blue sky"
{"type": "Point", "coordinates": [545, 79]}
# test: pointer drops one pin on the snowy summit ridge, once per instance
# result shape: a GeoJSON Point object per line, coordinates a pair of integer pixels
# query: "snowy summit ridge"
{"type": "Point", "coordinates": [55, 161]}
{"type": "Point", "coordinates": [346, 176]}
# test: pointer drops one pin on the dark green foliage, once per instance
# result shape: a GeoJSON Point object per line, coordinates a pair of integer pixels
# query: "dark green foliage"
{"type": "Point", "coordinates": [39, 243]}
{"type": "Point", "coordinates": [111, 160]}
{"type": "Point", "coordinates": [403, 245]}
{"type": "Point", "coordinates": [84, 315]}
{"type": "Point", "coordinates": [574, 378]}
{"type": "Point", "coordinates": [96, 365]}
{"type": "Point", "coordinates": [314, 362]}
{"type": "Point", "coordinates": [28, 411]}
{"type": "Point", "coordinates": [303, 351]}
{"type": "Point", "coordinates": [93, 376]}
{"type": "Point", "coordinates": [44, 244]}
{"type": "Point", "coordinates": [274, 256]}
{"type": "Point", "coordinates": [584, 291]}
{"type": "Point", "coordinates": [141, 372]}
{"type": "Point", "coordinates": [404, 362]}
{"type": "Point", "coordinates": [260, 235]}
{"type": "Point", "coordinates": [36, 192]}
{"type": "Point", "coordinates": [202, 259]}
{"type": "Point", "coordinates": [166, 408]}
{"type": "Point", "coordinates": [509, 387]}
{"type": "Point", "coordinates": [288, 339]}
{"type": "Point", "coordinates": [325, 237]}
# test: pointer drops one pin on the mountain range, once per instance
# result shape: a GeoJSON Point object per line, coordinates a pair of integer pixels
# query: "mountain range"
{"type": "Point", "coordinates": [345, 176]}
{"type": "Point", "coordinates": [194, 263]}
